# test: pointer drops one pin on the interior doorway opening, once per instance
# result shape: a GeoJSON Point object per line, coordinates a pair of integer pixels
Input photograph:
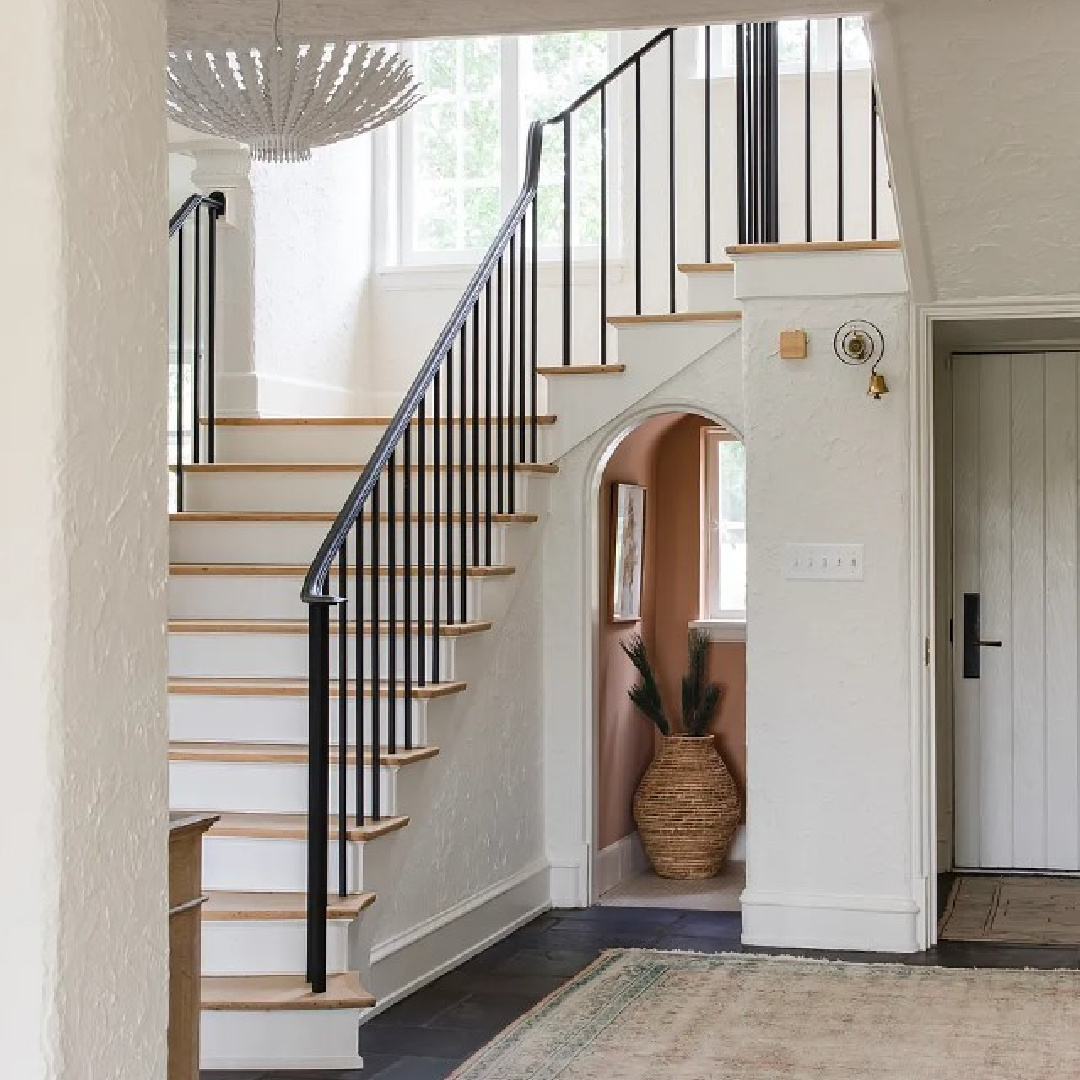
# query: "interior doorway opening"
{"type": "Point", "coordinates": [1007, 625]}
{"type": "Point", "coordinates": [672, 559]}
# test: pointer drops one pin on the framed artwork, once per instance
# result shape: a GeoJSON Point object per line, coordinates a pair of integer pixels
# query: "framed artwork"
{"type": "Point", "coordinates": [628, 530]}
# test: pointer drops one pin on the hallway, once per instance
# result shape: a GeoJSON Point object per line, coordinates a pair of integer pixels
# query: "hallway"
{"type": "Point", "coordinates": [431, 1033]}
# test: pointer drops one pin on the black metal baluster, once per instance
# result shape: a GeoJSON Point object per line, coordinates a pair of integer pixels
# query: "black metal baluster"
{"type": "Point", "coordinates": [809, 168]}
{"type": "Point", "coordinates": [516, 267]}
{"type": "Point", "coordinates": [318, 794]}
{"type": "Point", "coordinates": [407, 581]}
{"type": "Point", "coordinates": [672, 239]}
{"type": "Point", "coordinates": [391, 603]}
{"type": "Point", "coordinates": [358, 674]}
{"type": "Point", "coordinates": [873, 161]}
{"type": "Point", "coordinates": [421, 540]}
{"type": "Point", "coordinates": [488, 497]}
{"type": "Point", "coordinates": [448, 433]}
{"type": "Point", "coordinates": [463, 472]}
{"type": "Point", "coordinates": [637, 187]}
{"type": "Point", "coordinates": [603, 224]}
{"type": "Point", "coordinates": [523, 359]}
{"type": "Point", "coordinates": [343, 716]}
{"type": "Point", "coordinates": [500, 432]}
{"type": "Point", "coordinates": [535, 329]}
{"type": "Point", "coordinates": [839, 129]}
{"type": "Point", "coordinates": [568, 239]}
{"type": "Point", "coordinates": [436, 522]}
{"type": "Point", "coordinates": [180, 369]}
{"type": "Point", "coordinates": [774, 131]}
{"type": "Point", "coordinates": [708, 144]}
{"type": "Point", "coordinates": [474, 511]}
{"type": "Point", "coordinates": [211, 334]}
{"type": "Point", "coordinates": [196, 335]}
{"type": "Point", "coordinates": [740, 131]}
{"type": "Point", "coordinates": [375, 616]}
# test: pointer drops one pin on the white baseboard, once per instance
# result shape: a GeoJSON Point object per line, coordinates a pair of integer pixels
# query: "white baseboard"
{"type": "Point", "coordinates": [404, 963]}
{"type": "Point", "coordinates": [618, 862]}
{"type": "Point", "coordinates": [281, 395]}
{"type": "Point", "coordinates": [570, 877]}
{"type": "Point", "coordinates": [825, 921]}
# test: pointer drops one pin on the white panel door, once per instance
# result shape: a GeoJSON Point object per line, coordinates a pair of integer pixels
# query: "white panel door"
{"type": "Point", "coordinates": [1015, 553]}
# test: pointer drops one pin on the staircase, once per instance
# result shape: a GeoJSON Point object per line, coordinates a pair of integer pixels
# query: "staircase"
{"type": "Point", "coordinates": [327, 710]}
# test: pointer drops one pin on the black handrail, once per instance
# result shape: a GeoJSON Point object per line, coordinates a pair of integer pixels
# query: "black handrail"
{"type": "Point", "coordinates": [196, 288]}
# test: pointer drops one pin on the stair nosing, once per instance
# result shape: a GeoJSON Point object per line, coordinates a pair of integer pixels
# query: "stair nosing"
{"type": "Point", "coordinates": [218, 686]}
{"type": "Point", "coordinates": [195, 751]}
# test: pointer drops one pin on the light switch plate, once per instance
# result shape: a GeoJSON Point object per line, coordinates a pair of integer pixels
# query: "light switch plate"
{"type": "Point", "coordinates": [823, 562]}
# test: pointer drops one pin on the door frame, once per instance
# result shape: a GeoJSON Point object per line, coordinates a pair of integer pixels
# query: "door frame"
{"type": "Point", "coordinates": [925, 319]}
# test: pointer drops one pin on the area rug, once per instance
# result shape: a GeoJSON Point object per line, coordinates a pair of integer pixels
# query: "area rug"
{"type": "Point", "coordinates": [1020, 910]}
{"type": "Point", "coordinates": [642, 1015]}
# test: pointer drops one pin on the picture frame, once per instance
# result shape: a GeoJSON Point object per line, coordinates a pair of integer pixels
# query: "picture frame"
{"type": "Point", "coordinates": [628, 550]}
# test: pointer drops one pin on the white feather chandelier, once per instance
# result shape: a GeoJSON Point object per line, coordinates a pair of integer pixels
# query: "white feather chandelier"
{"type": "Point", "coordinates": [284, 97]}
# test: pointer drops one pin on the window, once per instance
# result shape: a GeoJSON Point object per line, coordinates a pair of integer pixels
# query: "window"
{"type": "Point", "coordinates": [463, 146]}
{"type": "Point", "coordinates": [791, 36]}
{"type": "Point", "coordinates": [723, 578]}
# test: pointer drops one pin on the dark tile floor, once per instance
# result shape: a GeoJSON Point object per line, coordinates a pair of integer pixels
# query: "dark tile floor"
{"type": "Point", "coordinates": [429, 1034]}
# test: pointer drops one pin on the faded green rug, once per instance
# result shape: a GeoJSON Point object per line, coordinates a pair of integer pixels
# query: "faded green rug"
{"type": "Point", "coordinates": [642, 1015]}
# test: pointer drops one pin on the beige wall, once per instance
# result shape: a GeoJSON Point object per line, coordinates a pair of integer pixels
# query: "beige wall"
{"type": "Point", "coordinates": [663, 456]}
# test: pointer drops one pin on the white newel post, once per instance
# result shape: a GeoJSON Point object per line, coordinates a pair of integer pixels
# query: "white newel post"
{"type": "Point", "coordinates": [226, 169]}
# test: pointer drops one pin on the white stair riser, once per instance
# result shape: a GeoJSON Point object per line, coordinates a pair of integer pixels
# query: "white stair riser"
{"type": "Point", "coordinates": [269, 946]}
{"type": "Point", "coordinates": [257, 864]}
{"type": "Point", "coordinates": [711, 292]}
{"type": "Point", "coordinates": [284, 719]}
{"type": "Point", "coordinates": [308, 443]}
{"type": "Point", "coordinates": [288, 491]}
{"type": "Point", "coordinates": [269, 788]}
{"type": "Point", "coordinates": [218, 596]}
{"type": "Point", "coordinates": [285, 656]}
{"type": "Point", "coordinates": [296, 542]}
{"type": "Point", "coordinates": [282, 1038]}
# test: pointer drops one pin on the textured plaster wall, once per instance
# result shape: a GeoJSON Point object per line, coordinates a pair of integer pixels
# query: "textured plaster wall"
{"type": "Point", "coordinates": [83, 926]}
{"type": "Point", "coordinates": [572, 575]}
{"type": "Point", "coordinates": [980, 99]}
{"type": "Point", "coordinates": [828, 663]}
{"type": "Point", "coordinates": [313, 255]}
{"type": "Point", "coordinates": [478, 818]}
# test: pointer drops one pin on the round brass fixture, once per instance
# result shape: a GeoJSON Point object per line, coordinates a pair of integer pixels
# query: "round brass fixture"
{"type": "Point", "coordinates": [860, 342]}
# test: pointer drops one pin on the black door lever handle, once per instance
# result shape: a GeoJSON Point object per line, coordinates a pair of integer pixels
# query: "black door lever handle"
{"type": "Point", "coordinates": [973, 639]}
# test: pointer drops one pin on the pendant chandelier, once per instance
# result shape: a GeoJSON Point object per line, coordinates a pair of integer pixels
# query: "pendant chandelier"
{"type": "Point", "coordinates": [284, 97]}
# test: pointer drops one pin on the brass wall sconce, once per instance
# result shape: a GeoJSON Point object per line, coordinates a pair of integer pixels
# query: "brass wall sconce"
{"type": "Point", "coordinates": [860, 342]}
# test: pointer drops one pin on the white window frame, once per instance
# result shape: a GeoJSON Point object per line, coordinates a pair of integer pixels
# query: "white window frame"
{"type": "Point", "coordinates": [719, 624]}
{"type": "Point", "coordinates": [395, 149]}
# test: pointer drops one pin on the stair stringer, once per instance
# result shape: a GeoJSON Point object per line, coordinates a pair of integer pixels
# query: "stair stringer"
{"type": "Point", "coordinates": [470, 868]}
{"type": "Point", "coordinates": [653, 353]}
{"type": "Point", "coordinates": [712, 385]}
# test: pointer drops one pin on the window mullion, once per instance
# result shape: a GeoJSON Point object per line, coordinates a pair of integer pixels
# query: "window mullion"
{"type": "Point", "coordinates": [510, 107]}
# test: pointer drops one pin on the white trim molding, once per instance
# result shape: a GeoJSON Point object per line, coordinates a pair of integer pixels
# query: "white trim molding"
{"type": "Point", "coordinates": [830, 921]}
{"type": "Point", "coordinates": [618, 862]}
{"type": "Point", "coordinates": [721, 629]}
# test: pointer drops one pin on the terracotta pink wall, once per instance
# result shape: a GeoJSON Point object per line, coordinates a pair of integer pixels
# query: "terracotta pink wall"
{"type": "Point", "coordinates": [663, 456]}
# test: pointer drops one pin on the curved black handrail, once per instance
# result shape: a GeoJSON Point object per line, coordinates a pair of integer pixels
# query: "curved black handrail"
{"type": "Point", "coordinates": [317, 576]}
{"type": "Point", "coordinates": [215, 199]}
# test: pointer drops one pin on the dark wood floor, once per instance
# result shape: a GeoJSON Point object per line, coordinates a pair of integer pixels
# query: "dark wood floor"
{"type": "Point", "coordinates": [429, 1034]}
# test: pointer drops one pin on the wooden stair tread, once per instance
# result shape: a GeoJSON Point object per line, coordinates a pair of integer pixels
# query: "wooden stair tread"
{"type": "Point", "coordinates": [676, 317]}
{"type": "Point", "coordinates": [343, 421]}
{"type": "Point", "coordinates": [707, 268]}
{"type": "Point", "coordinates": [285, 753]}
{"type": "Point", "coordinates": [352, 468]}
{"type": "Point", "coordinates": [294, 827]}
{"type": "Point", "coordinates": [260, 517]}
{"type": "Point", "coordinates": [262, 687]}
{"type": "Point", "coordinates": [300, 626]}
{"type": "Point", "coordinates": [222, 906]}
{"type": "Point", "coordinates": [274, 992]}
{"type": "Point", "coordinates": [581, 369]}
{"type": "Point", "coordinates": [296, 570]}
{"type": "Point", "coordinates": [816, 245]}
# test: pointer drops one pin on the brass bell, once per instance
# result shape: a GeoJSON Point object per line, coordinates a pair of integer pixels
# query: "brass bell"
{"type": "Point", "coordinates": [878, 386]}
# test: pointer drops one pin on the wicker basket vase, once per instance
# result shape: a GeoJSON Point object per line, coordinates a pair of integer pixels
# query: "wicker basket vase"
{"type": "Point", "coordinates": [687, 808]}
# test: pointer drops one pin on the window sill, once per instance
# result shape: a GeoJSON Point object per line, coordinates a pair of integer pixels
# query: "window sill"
{"type": "Point", "coordinates": [721, 629]}
{"type": "Point", "coordinates": [457, 275]}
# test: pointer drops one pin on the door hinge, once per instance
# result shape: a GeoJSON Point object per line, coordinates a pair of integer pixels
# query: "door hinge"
{"type": "Point", "coordinates": [926, 651]}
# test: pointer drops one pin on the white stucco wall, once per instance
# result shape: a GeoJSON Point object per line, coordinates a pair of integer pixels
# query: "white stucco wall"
{"type": "Point", "coordinates": [313, 255]}
{"type": "Point", "coordinates": [83, 925]}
